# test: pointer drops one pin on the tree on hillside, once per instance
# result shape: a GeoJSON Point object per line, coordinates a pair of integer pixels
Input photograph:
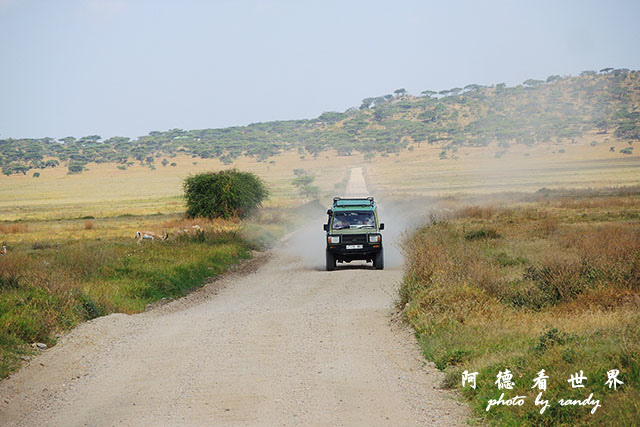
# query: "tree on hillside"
{"type": "Point", "coordinates": [628, 124]}
{"type": "Point", "coordinates": [526, 114]}
{"type": "Point", "coordinates": [331, 117]}
{"type": "Point", "coordinates": [428, 93]}
{"type": "Point", "coordinates": [304, 182]}
{"type": "Point", "coordinates": [602, 125]}
{"type": "Point", "coordinates": [76, 166]}
{"type": "Point", "coordinates": [366, 103]}
{"type": "Point", "coordinates": [532, 82]}
{"type": "Point", "coordinates": [400, 92]}
{"type": "Point", "coordinates": [117, 140]}
{"type": "Point", "coordinates": [89, 139]}
{"type": "Point", "coordinates": [620, 71]}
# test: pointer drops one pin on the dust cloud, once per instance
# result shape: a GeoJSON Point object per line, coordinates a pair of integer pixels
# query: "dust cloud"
{"type": "Point", "coordinates": [308, 242]}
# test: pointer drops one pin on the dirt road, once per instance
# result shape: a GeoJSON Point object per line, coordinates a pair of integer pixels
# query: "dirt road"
{"type": "Point", "coordinates": [280, 342]}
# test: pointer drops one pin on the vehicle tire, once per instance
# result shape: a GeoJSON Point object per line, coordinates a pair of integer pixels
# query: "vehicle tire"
{"type": "Point", "coordinates": [331, 261]}
{"type": "Point", "coordinates": [378, 262]}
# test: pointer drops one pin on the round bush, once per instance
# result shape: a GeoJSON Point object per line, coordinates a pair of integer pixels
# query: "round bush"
{"type": "Point", "coordinates": [224, 194]}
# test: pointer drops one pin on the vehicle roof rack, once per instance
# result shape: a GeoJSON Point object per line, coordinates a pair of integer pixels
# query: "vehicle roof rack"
{"type": "Point", "coordinates": [353, 201]}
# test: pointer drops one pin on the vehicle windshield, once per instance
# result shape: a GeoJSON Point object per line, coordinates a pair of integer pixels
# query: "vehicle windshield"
{"type": "Point", "coordinates": [353, 220]}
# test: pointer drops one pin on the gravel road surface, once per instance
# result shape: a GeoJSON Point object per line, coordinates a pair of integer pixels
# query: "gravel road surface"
{"type": "Point", "coordinates": [279, 341]}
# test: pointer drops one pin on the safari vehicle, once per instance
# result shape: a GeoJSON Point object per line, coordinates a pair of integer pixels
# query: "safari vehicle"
{"type": "Point", "coordinates": [353, 232]}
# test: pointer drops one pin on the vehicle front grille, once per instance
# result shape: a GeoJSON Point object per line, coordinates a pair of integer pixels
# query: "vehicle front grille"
{"type": "Point", "coordinates": [354, 238]}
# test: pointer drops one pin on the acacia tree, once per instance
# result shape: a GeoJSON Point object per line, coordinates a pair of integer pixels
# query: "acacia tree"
{"type": "Point", "coordinates": [532, 82]}
{"type": "Point", "coordinates": [400, 92]}
{"type": "Point", "coordinates": [223, 194]}
{"type": "Point", "coordinates": [304, 182]}
{"type": "Point", "coordinates": [366, 103]}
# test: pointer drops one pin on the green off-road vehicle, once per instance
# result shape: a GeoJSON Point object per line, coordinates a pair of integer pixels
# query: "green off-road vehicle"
{"type": "Point", "coordinates": [353, 232]}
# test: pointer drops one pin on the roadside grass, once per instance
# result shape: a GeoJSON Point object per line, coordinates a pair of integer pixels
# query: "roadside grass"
{"type": "Point", "coordinates": [61, 272]}
{"type": "Point", "coordinates": [553, 285]}
{"type": "Point", "coordinates": [49, 286]}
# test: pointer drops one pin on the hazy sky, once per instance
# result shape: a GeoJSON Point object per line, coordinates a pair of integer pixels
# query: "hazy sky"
{"type": "Point", "coordinates": [115, 67]}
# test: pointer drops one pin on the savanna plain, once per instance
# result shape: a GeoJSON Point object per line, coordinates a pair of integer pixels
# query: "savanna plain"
{"type": "Point", "coordinates": [524, 258]}
{"type": "Point", "coordinates": [496, 275]}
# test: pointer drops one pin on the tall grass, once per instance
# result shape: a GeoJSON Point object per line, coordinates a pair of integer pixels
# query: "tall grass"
{"type": "Point", "coordinates": [542, 286]}
{"type": "Point", "coordinates": [13, 228]}
{"type": "Point", "coordinates": [48, 288]}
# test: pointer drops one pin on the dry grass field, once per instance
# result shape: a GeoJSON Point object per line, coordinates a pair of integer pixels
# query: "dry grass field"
{"type": "Point", "coordinates": [73, 255]}
{"type": "Point", "coordinates": [551, 284]}
{"type": "Point", "coordinates": [525, 169]}
{"type": "Point", "coordinates": [105, 191]}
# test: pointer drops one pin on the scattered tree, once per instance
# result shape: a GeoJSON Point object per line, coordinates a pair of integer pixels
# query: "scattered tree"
{"type": "Point", "coordinates": [400, 92]}
{"type": "Point", "coordinates": [224, 194]}
{"type": "Point", "coordinates": [304, 182]}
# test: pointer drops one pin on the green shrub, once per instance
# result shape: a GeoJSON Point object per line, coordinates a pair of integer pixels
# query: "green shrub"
{"type": "Point", "coordinates": [481, 234]}
{"type": "Point", "coordinates": [223, 194]}
{"type": "Point", "coordinates": [76, 166]}
{"type": "Point", "coordinates": [505, 260]}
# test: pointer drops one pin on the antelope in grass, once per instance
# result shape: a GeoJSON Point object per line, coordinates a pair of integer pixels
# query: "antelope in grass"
{"type": "Point", "coordinates": [150, 235]}
{"type": "Point", "coordinates": [3, 252]}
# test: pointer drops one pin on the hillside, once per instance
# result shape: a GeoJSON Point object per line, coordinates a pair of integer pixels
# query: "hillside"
{"type": "Point", "coordinates": [559, 109]}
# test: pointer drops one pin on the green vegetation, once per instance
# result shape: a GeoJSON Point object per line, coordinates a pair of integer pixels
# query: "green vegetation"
{"type": "Point", "coordinates": [552, 285]}
{"type": "Point", "coordinates": [304, 182]}
{"type": "Point", "coordinates": [559, 109]}
{"type": "Point", "coordinates": [224, 194]}
{"type": "Point", "coordinates": [51, 286]}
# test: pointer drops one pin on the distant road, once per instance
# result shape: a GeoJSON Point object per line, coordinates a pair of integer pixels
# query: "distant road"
{"type": "Point", "coordinates": [279, 343]}
{"type": "Point", "coordinates": [356, 186]}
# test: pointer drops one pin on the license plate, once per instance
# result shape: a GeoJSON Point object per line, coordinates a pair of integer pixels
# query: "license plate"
{"type": "Point", "coordinates": [354, 246]}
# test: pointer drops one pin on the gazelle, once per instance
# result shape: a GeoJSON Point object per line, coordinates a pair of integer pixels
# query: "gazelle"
{"type": "Point", "coordinates": [3, 252]}
{"type": "Point", "coordinates": [150, 235]}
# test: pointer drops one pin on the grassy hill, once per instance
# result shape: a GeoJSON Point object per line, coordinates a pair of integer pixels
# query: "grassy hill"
{"type": "Point", "coordinates": [559, 109]}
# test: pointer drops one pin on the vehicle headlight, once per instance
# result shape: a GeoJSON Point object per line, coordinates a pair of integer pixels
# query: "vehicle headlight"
{"type": "Point", "coordinates": [374, 238]}
{"type": "Point", "coordinates": [333, 239]}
